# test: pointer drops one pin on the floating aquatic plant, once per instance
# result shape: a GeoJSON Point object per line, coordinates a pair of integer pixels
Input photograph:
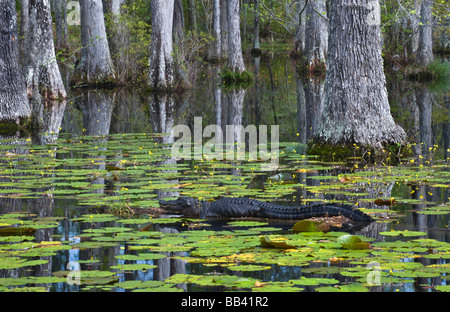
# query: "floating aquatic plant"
{"type": "Point", "coordinates": [126, 172]}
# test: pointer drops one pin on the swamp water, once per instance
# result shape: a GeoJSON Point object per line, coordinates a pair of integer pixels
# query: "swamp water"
{"type": "Point", "coordinates": [78, 202]}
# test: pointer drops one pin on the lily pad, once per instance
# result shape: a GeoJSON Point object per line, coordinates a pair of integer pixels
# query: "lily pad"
{"type": "Point", "coordinates": [134, 267]}
{"type": "Point", "coordinates": [16, 262]}
{"type": "Point", "coordinates": [142, 256]}
{"type": "Point", "coordinates": [313, 281]}
{"type": "Point", "coordinates": [248, 268]}
{"type": "Point", "coordinates": [247, 223]}
{"type": "Point", "coordinates": [354, 287]}
{"type": "Point", "coordinates": [275, 241]}
{"type": "Point", "coordinates": [352, 242]}
{"type": "Point", "coordinates": [405, 233]}
{"type": "Point", "coordinates": [310, 226]}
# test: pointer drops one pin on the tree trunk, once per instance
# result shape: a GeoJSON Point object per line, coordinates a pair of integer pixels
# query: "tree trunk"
{"type": "Point", "coordinates": [161, 73]}
{"type": "Point", "coordinates": [444, 37]}
{"type": "Point", "coordinates": [178, 20]}
{"type": "Point", "coordinates": [13, 96]}
{"type": "Point", "coordinates": [316, 31]}
{"type": "Point", "coordinates": [117, 37]}
{"type": "Point", "coordinates": [24, 25]}
{"type": "Point", "coordinates": [425, 50]}
{"type": "Point", "coordinates": [300, 31]}
{"type": "Point", "coordinates": [64, 19]}
{"type": "Point", "coordinates": [224, 27]}
{"type": "Point", "coordinates": [96, 66]}
{"type": "Point", "coordinates": [216, 49]}
{"type": "Point", "coordinates": [256, 39]}
{"type": "Point", "coordinates": [356, 107]}
{"type": "Point", "coordinates": [42, 70]}
{"type": "Point", "coordinates": [192, 15]}
{"type": "Point", "coordinates": [425, 104]}
{"type": "Point", "coordinates": [235, 58]}
{"type": "Point", "coordinates": [58, 21]}
{"type": "Point", "coordinates": [314, 94]}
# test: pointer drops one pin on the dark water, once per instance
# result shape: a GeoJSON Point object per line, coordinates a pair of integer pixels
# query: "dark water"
{"type": "Point", "coordinates": [278, 97]}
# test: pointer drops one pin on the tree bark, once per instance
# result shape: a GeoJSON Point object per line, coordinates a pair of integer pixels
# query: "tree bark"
{"type": "Point", "coordinates": [425, 50]}
{"type": "Point", "coordinates": [299, 37]}
{"type": "Point", "coordinates": [235, 58]}
{"type": "Point", "coordinates": [192, 15]}
{"type": "Point", "coordinates": [96, 66]}
{"type": "Point", "coordinates": [58, 21]}
{"type": "Point", "coordinates": [178, 20]}
{"type": "Point", "coordinates": [24, 25]}
{"type": "Point", "coordinates": [425, 104]}
{"type": "Point", "coordinates": [13, 97]}
{"type": "Point", "coordinates": [42, 70]}
{"type": "Point", "coordinates": [256, 39]}
{"type": "Point", "coordinates": [316, 33]}
{"type": "Point", "coordinates": [356, 107]}
{"type": "Point", "coordinates": [117, 37]}
{"type": "Point", "coordinates": [161, 74]}
{"type": "Point", "coordinates": [224, 27]}
{"type": "Point", "coordinates": [216, 49]}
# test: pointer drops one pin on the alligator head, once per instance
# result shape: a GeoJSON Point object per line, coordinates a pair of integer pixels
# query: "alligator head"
{"type": "Point", "coordinates": [184, 205]}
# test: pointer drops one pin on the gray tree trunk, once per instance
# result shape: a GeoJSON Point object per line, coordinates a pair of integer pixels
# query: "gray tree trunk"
{"type": "Point", "coordinates": [96, 66]}
{"type": "Point", "coordinates": [256, 39]}
{"type": "Point", "coordinates": [161, 74]}
{"type": "Point", "coordinates": [13, 96]}
{"type": "Point", "coordinates": [59, 21]}
{"type": "Point", "coordinates": [117, 37]}
{"type": "Point", "coordinates": [42, 70]}
{"type": "Point", "coordinates": [24, 24]}
{"type": "Point", "coordinates": [192, 15]}
{"type": "Point", "coordinates": [356, 107]}
{"type": "Point", "coordinates": [425, 104]}
{"type": "Point", "coordinates": [178, 20]}
{"type": "Point", "coordinates": [444, 37]}
{"type": "Point", "coordinates": [217, 48]}
{"type": "Point", "coordinates": [299, 37]}
{"type": "Point", "coordinates": [224, 27]}
{"type": "Point", "coordinates": [425, 50]}
{"type": "Point", "coordinates": [314, 94]}
{"type": "Point", "coordinates": [235, 58]}
{"type": "Point", "coordinates": [316, 33]}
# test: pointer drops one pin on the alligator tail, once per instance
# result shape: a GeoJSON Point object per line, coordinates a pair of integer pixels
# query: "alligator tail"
{"type": "Point", "coordinates": [318, 210]}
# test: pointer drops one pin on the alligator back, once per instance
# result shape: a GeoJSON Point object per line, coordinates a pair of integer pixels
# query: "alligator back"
{"type": "Point", "coordinates": [233, 207]}
{"type": "Point", "coordinates": [315, 210]}
{"type": "Point", "coordinates": [236, 207]}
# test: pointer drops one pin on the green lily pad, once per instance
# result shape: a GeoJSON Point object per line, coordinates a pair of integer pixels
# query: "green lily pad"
{"type": "Point", "coordinates": [247, 223]}
{"type": "Point", "coordinates": [142, 256]}
{"type": "Point", "coordinates": [275, 241]}
{"type": "Point", "coordinates": [88, 277]}
{"type": "Point", "coordinates": [248, 268]}
{"type": "Point", "coordinates": [443, 288]}
{"type": "Point", "coordinates": [313, 281]}
{"type": "Point", "coordinates": [134, 267]}
{"type": "Point", "coordinates": [16, 262]}
{"type": "Point", "coordinates": [354, 287]}
{"type": "Point", "coordinates": [405, 233]}
{"type": "Point", "coordinates": [352, 242]}
{"type": "Point", "coordinates": [309, 226]}
{"type": "Point", "coordinates": [27, 289]}
{"type": "Point", "coordinates": [139, 284]}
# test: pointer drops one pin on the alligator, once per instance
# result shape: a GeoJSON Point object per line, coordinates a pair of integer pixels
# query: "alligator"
{"type": "Point", "coordinates": [242, 207]}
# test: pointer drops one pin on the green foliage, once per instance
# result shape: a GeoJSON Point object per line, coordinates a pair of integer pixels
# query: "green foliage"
{"type": "Point", "coordinates": [189, 53]}
{"type": "Point", "coordinates": [440, 71]}
{"type": "Point", "coordinates": [132, 31]}
{"type": "Point", "coordinates": [233, 79]}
